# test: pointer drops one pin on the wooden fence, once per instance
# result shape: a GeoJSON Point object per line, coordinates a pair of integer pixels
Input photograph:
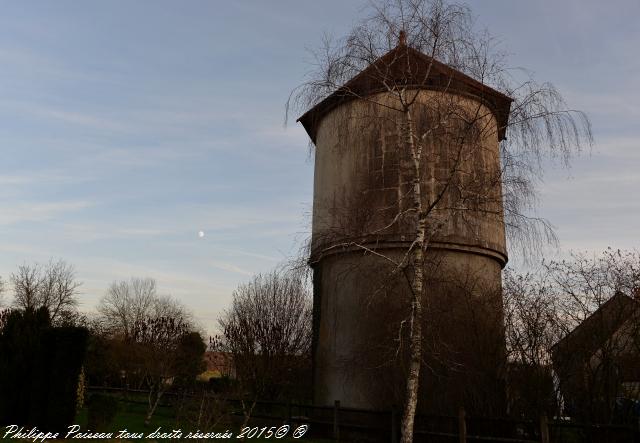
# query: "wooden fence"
{"type": "Point", "coordinates": [351, 424]}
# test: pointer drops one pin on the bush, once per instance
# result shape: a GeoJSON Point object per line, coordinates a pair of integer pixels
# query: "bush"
{"type": "Point", "coordinates": [21, 341]}
{"type": "Point", "coordinates": [39, 370]}
{"type": "Point", "coordinates": [62, 359]}
{"type": "Point", "coordinates": [102, 411]}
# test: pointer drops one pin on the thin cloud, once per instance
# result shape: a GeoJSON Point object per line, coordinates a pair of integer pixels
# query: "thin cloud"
{"type": "Point", "coordinates": [73, 117]}
{"type": "Point", "coordinates": [230, 268]}
{"type": "Point", "coordinates": [41, 178]}
{"type": "Point", "coordinates": [38, 64]}
{"type": "Point", "coordinates": [38, 211]}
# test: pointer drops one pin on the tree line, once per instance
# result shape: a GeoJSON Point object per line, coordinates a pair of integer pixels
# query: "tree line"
{"type": "Point", "coordinates": [137, 338]}
{"type": "Point", "coordinates": [141, 340]}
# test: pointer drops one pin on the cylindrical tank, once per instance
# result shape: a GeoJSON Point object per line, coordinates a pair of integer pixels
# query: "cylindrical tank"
{"type": "Point", "coordinates": [363, 226]}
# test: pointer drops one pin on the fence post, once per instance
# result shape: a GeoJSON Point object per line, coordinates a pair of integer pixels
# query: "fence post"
{"type": "Point", "coordinates": [394, 425]}
{"type": "Point", "coordinates": [544, 429]}
{"type": "Point", "coordinates": [336, 423]}
{"type": "Point", "coordinates": [462, 426]}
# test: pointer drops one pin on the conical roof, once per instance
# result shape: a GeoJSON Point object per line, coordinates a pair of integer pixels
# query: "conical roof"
{"type": "Point", "coordinates": [405, 66]}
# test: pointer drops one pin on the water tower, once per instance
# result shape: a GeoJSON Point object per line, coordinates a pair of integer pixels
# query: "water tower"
{"type": "Point", "coordinates": [363, 226]}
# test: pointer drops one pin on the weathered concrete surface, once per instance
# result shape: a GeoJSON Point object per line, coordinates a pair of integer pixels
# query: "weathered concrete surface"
{"type": "Point", "coordinates": [361, 183]}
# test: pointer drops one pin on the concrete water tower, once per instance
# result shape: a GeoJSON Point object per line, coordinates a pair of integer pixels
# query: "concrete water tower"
{"type": "Point", "coordinates": [363, 226]}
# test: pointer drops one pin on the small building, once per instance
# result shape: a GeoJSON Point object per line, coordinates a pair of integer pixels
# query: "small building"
{"type": "Point", "coordinates": [598, 362]}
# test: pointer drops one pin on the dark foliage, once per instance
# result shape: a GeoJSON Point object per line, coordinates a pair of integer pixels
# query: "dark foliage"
{"type": "Point", "coordinates": [221, 385]}
{"type": "Point", "coordinates": [189, 359]}
{"type": "Point", "coordinates": [59, 364]}
{"type": "Point", "coordinates": [99, 369]}
{"type": "Point", "coordinates": [21, 340]}
{"type": "Point", "coordinates": [39, 370]}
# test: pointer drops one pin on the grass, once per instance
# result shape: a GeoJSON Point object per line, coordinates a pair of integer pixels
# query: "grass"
{"type": "Point", "coordinates": [131, 414]}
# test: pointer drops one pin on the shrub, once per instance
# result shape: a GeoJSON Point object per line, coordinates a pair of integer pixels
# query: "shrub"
{"type": "Point", "coordinates": [39, 370]}
{"type": "Point", "coordinates": [21, 341]}
{"type": "Point", "coordinates": [54, 393]}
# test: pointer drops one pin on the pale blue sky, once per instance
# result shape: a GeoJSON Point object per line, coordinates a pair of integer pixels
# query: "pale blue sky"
{"type": "Point", "coordinates": [128, 126]}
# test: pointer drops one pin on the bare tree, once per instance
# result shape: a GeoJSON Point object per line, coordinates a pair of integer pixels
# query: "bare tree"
{"type": "Point", "coordinates": [129, 302]}
{"type": "Point", "coordinates": [599, 313]}
{"type": "Point", "coordinates": [149, 339]}
{"type": "Point", "coordinates": [268, 332]}
{"type": "Point", "coordinates": [53, 286]}
{"type": "Point", "coordinates": [532, 327]}
{"type": "Point", "coordinates": [584, 283]}
{"type": "Point", "coordinates": [581, 317]}
{"type": "Point", "coordinates": [439, 136]}
{"type": "Point", "coordinates": [167, 348]}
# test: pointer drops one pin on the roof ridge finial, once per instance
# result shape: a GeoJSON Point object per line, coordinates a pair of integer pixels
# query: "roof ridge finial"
{"type": "Point", "coordinates": [402, 38]}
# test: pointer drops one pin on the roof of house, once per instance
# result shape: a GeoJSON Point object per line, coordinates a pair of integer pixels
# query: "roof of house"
{"type": "Point", "coordinates": [407, 67]}
{"type": "Point", "coordinates": [599, 327]}
{"type": "Point", "coordinates": [218, 361]}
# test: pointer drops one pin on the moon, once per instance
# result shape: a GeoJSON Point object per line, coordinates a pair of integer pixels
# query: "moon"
{"type": "Point", "coordinates": [200, 234]}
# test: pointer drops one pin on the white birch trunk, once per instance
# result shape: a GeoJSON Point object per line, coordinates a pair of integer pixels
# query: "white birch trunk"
{"type": "Point", "coordinates": [415, 336]}
{"type": "Point", "coordinates": [153, 404]}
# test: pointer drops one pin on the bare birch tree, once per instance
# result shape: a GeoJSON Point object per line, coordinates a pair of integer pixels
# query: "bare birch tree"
{"type": "Point", "coordinates": [540, 125]}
